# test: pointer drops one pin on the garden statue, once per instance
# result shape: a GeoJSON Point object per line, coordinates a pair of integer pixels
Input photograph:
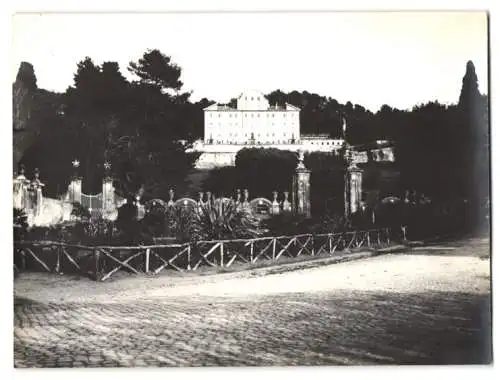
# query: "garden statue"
{"type": "Point", "coordinates": [238, 199]}
{"type": "Point", "coordinates": [301, 165]}
{"type": "Point", "coordinates": [275, 205]}
{"type": "Point", "coordinates": [171, 196]}
{"type": "Point", "coordinates": [209, 199]}
{"type": "Point", "coordinates": [200, 201]}
{"type": "Point", "coordinates": [107, 170]}
{"type": "Point", "coordinates": [287, 206]}
{"type": "Point", "coordinates": [246, 204]}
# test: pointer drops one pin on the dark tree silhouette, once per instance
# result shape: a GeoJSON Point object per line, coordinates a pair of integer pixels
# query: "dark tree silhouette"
{"type": "Point", "coordinates": [156, 69]}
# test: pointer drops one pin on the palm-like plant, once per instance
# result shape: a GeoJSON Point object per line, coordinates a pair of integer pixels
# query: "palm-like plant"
{"type": "Point", "coordinates": [224, 221]}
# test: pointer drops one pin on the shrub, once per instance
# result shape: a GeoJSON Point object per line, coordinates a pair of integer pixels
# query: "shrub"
{"type": "Point", "coordinates": [155, 221]}
{"type": "Point", "coordinates": [80, 212]}
{"type": "Point", "coordinates": [59, 232]}
{"type": "Point", "coordinates": [20, 223]}
{"type": "Point", "coordinates": [286, 224]}
{"type": "Point", "coordinates": [180, 223]}
{"type": "Point", "coordinates": [224, 222]}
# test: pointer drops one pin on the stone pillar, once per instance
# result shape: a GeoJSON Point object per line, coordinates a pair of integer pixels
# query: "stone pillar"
{"type": "Point", "coordinates": [37, 187]}
{"type": "Point", "coordinates": [108, 196]}
{"type": "Point", "coordinates": [75, 186]}
{"type": "Point", "coordinates": [75, 190]}
{"type": "Point", "coordinates": [353, 189]}
{"type": "Point", "coordinates": [301, 196]}
{"type": "Point", "coordinates": [21, 184]}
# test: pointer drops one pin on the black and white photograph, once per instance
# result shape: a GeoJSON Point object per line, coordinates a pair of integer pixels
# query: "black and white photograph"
{"type": "Point", "coordinates": [251, 189]}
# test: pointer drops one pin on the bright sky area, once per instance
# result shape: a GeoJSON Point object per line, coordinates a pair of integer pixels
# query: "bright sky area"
{"type": "Point", "coordinates": [372, 58]}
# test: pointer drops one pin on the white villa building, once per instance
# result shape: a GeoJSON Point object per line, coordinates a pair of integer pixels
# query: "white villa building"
{"type": "Point", "coordinates": [254, 123]}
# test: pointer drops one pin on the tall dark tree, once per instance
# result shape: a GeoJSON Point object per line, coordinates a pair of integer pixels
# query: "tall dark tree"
{"type": "Point", "coordinates": [155, 68]}
{"type": "Point", "coordinates": [469, 95]}
{"type": "Point", "coordinates": [23, 102]}
{"type": "Point", "coordinates": [473, 120]}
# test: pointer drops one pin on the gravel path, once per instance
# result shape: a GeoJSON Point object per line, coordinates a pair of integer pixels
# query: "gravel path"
{"type": "Point", "coordinates": [430, 306]}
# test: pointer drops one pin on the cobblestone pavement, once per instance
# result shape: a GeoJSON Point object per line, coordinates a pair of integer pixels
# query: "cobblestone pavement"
{"type": "Point", "coordinates": [327, 326]}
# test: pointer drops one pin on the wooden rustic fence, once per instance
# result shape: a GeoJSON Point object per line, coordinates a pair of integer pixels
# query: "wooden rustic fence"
{"type": "Point", "coordinates": [101, 262]}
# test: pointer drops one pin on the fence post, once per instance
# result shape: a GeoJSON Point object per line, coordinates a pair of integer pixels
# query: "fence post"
{"type": "Point", "coordinates": [58, 252]}
{"type": "Point", "coordinates": [147, 260]}
{"type": "Point", "coordinates": [189, 257]}
{"type": "Point", "coordinates": [251, 252]}
{"type": "Point", "coordinates": [403, 228]}
{"type": "Point", "coordinates": [96, 258]}
{"type": "Point", "coordinates": [221, 254]}
{"type": "Point", "coordinates": [312, 244]}
{"type": "Point", "coordinates": [330, 243]}
{"type": "Point", "coordinates": [274, 249]}
{"type": "Point", "coordinates": [23, 259]}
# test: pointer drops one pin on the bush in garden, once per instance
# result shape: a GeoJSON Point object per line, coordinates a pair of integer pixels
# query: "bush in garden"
{"type": "Point", "coordinates": [20, 223]}
{"type": "Point", "coordinates": [131, 230]}
{"type": "Point", "coordinates": [155, 221]}
{"type": "Point", "coordinates": [80, 212]}
{"type": "Point", "coordinates": [224, 222]}
{"type": "Point", "coordinates": [179, 223]}
{"type": "Point", "coordinates": [285, 224]}
{"type": "Point", "coordinates": [289, 224]}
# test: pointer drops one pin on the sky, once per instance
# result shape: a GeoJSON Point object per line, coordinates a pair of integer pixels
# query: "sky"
{"type": "Point", "coordinates": [371, 59]}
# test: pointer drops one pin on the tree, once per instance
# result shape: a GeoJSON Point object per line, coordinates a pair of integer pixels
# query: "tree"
{"type": "Point", "coordinates": [103, 117]}
{"type": "Point", "coordinates": [156, 69]}
{"type": "Point", "coordinates": [23, 127]}
{"type": "Point", "coordinates": [469, 95]}
{"type": "Point", "coordinates": [473, 136]}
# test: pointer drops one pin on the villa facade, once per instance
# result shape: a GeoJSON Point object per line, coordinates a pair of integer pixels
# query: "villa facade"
{"type": "Point", "coordinates": [254, 123]}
